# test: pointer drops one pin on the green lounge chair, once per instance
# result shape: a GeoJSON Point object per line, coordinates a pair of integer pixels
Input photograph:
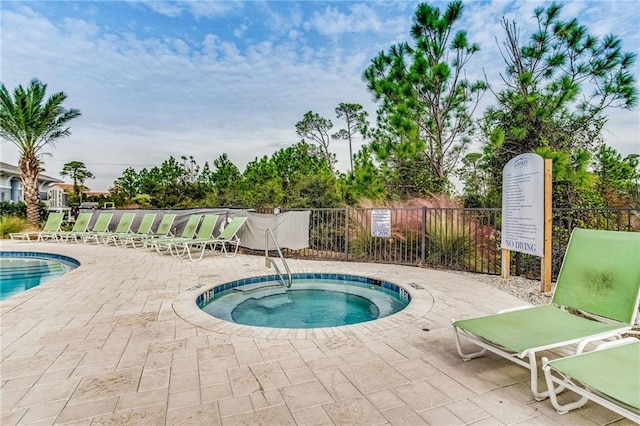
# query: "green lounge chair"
{"type": "Point", "coordinates": [124, 227]}
{"type": "Point", "coordinates": [181, 246]}
{"type": "Point", "coordinates": [599, 277]}
{"type": "Point", "coordinates": [101, 225]}
{"type": "Point", "coordinates": [609, 376]}
{"type": "Point", "coordinates": [51, 226]}
{"type": "Point", "coordinates": [163, 230]}
{"type": "Point", "coordinates": [79, 226]}
{"type": "Point", "coordinates": [162, 243]}
{"type": "Point", "coordinates": [143, 229]}
{"type": "Point", "coordinates": [228, 237]}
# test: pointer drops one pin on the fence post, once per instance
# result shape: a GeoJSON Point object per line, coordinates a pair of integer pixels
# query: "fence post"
{"type": "Point", "coordinates": [346, 233]}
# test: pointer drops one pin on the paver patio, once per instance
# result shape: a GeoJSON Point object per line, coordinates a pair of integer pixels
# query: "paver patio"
{"type": "Point", "coordinates": [120, 341]}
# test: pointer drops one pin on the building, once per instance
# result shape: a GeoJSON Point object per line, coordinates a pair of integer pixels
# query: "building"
{"type": "Point", "coordinates": [11, 185]}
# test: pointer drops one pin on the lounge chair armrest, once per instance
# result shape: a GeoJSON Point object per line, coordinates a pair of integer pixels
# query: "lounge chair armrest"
{"type": "Point", "coordinates": [613, 343]}
{"type": "Point", "coordinates": [517, 308]}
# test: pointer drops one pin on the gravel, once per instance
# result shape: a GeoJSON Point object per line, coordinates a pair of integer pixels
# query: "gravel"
{"type": "Point", "coordinates": [522, 288]}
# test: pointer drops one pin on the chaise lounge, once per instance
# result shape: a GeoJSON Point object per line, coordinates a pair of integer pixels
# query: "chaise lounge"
{"type": "Point", "coordinates": [609, 376]}
{"type": "Point", "coordinates": [595, 298]}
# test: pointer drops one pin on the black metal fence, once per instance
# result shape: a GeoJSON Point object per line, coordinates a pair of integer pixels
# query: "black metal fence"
{"type": "Point", "coordinates": [446, 238]}
{"type": "Point", "coordinates": [440, 238]}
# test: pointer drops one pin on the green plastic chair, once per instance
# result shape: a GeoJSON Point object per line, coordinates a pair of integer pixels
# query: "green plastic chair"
{"type": "Point", "coordinates": [51, 226]}
{"type": "Point", "coordinates": [609, 376]}
{"type": "Point", "coordinates": [228, 237]}
{"type": "Point", "coordinates": [79, 226]}
{"type": "Point", "coordinates": [179, 247]}
{"type": "Point", "coordinates": [143, 229]}
{"type": "Point", "coordinates": [161, 244]}
{"type": "Point", "coordinates": [163, 230]}
{"type": "Point", "coordinates": [101, 225]}
{"type": "Point", "coordinates": [599, 277]}
{"type": "Point", "coordinates": [123, 227]}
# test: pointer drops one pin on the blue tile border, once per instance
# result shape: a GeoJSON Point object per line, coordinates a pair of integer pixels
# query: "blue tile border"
{"type": "Point", "coordinates": [52, 256]}
{"type": "Point", "coordinates": [203, 298]}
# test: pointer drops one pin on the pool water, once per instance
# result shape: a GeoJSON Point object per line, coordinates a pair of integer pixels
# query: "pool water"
{"type": "Point", "coordinates": [309, 303]}
{"type": "Point", "coordinates": [20, 271]}
{"type": "Point", "coordinates": [305, 308]}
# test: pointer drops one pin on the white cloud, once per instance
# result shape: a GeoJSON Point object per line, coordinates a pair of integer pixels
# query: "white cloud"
{"type": "Point", "coordinates": [333, 22]}
{"type": "Point", "coordinates": [198, 9]}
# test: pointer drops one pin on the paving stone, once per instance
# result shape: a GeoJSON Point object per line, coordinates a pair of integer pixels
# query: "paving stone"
{"type": "Point", "coordinates": [277, 415]}
{"type": "Point", "coordinates": [355, 412]}
{"type": "Point", "coordinates": [441, 416]}
{"type": "Point", "coordinates": [270, 376]}
{"type": "Point", "coordinates": [503, 406]}
{"type": "Point", "coordinates": [147, 415]}
{"type": "Point", "coordinates": [373, 376]}
{"type": "Point", "coordinates": [402, 416]}
{"type": "Point", "coordinates": [203, 414]}
{"type": "Point", "coordinates": [315, 416]}
{"type": "Point", "coordinates": [305, 395]}
{"type": "Point", "coordinates": [85, 410]}
{"type": "Point", "coordinates": [236, 405]}
{"type": "Point", "coordinates": [100, 386]}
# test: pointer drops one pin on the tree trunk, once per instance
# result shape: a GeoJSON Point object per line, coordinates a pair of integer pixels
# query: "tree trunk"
{"type": "Point", "coordinates": [31, 198]}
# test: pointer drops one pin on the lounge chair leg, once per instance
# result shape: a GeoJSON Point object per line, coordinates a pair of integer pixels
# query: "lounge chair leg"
{"type": "Point", "coordinates": [466, 356]}
{"type": "Point", "coordinates": [541, 396]}
{"type": "Point", "coordinates": [560, 408]}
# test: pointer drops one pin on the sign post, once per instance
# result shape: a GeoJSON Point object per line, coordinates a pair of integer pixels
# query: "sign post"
{"type": "Point", "coordinates": [545, 272]}
{"type": "Point", "coordinates": [526, 211]}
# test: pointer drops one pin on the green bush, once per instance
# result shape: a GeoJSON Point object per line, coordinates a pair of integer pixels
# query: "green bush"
{"type": "Point", "coordinates": [13, 209]}
{"type": "Point", "coordinates": [11, 224]}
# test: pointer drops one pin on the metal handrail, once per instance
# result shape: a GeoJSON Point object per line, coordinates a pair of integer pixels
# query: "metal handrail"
{"type": "Point", "coordinates": [269, 262]}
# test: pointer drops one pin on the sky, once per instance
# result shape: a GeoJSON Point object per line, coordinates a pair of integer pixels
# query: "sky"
{"type": "Point", "coordinates": [155, 79]}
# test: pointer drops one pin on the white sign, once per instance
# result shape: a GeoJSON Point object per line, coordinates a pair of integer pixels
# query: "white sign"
{"type": "Point", "coordinates": [381, 223]}
{"type": "Point", "coordinates": [523, 204]}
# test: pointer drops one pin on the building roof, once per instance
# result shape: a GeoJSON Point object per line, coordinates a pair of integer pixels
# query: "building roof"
{"type": "Point", "coordinates": [13, 170]}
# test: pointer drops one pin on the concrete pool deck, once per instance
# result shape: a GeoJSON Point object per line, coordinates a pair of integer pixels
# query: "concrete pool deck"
{"type": "Point", "coordinates": [120, 341]}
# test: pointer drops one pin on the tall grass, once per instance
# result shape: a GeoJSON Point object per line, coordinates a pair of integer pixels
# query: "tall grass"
{"type": "Point", "coordinates": [454, 239]}
{"type": "Point", "coordinates": [11, 224]}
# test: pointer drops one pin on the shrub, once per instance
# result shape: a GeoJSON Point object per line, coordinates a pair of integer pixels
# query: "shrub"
{"type": "Point", "coordinates": [13, 209]}
{"type": "Point", "coordinates": [11, 224]}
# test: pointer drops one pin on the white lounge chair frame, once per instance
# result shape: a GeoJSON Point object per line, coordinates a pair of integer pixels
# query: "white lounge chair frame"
{"type": "Point", "coordinates": [553, 376]}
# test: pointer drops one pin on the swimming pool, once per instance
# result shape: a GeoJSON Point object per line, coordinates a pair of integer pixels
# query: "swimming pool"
{"type": "Point", "coordinates": [20, 270]}
{"type": "Point", "coordinates": [313, 301]}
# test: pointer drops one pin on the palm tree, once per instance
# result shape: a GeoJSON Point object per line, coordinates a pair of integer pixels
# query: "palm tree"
{"type": "Point", "coordinates": [30, 122]}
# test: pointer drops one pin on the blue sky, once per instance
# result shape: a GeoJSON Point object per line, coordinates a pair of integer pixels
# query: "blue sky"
{"type": "Point", "coordinates": [203, 78]}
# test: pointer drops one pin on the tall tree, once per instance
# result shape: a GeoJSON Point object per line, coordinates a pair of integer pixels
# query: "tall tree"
{"type": "Point", "coordinates": [426, 103]}
{"type": "Point", "coordinates": [355, 118]}
{"type": "Point", "coordinates": [617, 177]}
{"type": "Point", "coordinates": [316, 128]}
{"type": "Point", "coordinates": [77, 171]}
{"type": "Point", "coordinates": [558, 86]}
{"type": "Point", "coordinates": [127, 186]}
{"type": "Point", "coordinates": [31, 122]}
{"type": "Point", "coordinates": [473, 177]}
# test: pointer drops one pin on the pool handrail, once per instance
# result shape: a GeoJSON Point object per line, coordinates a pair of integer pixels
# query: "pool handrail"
{"type": "Point", "coordinates": [269, 262]}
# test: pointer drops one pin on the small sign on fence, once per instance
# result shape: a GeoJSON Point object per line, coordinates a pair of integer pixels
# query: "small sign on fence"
{"type": "Point", "coordinates": [381, 223]}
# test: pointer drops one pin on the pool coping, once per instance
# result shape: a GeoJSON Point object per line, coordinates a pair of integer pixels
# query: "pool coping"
{"type": "Point", "coordinates": [43, 255]}
{"type": "Point", "coordinates": [186, 307]}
